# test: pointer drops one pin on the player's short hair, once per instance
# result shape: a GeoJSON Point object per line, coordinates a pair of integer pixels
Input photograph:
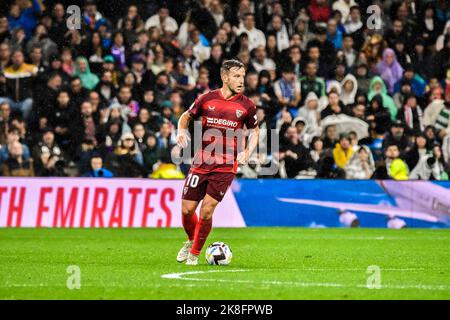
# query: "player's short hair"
{"type": "Point", "coordinates": [227, 65]}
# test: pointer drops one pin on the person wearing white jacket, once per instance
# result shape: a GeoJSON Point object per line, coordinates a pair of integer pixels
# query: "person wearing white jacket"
{"type": "Point", "coordinates": [437, 114]}
{"type": "Point", "coordinates": [343, 6]}
{"type": "Point", "coordinates": [431, 166]}
{"type": "Point", "coordinates": [361, 165]}
{"type": "Point", "coordinates": [162, 20]}
{"type": "Point", "coordinates": [427, 167]}
{"type": "Point", "coordinates": [349, 86]}
{"type": "Point", "coordinates": [432, 111]}
{"type": "Point", "coordinates": [446, 148]}
{"type": "Point", "coordinates": [310, 112]}
{"type": "Point", "coordinates": [255, 36]}
{"type": "Point", "coordinates": [441, 38]}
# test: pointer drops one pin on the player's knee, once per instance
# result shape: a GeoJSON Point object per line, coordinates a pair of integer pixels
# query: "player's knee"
{"type": "Point", "coordinates": [187, 209]}
{"type": "Point", "coordinates": [207, 210]}
{"type": "Point", "coordinates": [206, 215]}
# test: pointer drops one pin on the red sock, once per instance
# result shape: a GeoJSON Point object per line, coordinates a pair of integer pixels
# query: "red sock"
{"type": "Point", "coordinates": [201, 233]}
{"type": "Point", "coordinates": [189, 224]}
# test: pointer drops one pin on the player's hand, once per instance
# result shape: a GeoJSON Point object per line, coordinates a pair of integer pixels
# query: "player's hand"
{"type": "Point", "coordinates": [243, 157]}
{"type": "Point", "coordinates": [183, 138]}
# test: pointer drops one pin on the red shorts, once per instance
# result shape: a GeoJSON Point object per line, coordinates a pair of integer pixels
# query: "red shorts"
{"type": "Point", "coordinates": [197, 185]}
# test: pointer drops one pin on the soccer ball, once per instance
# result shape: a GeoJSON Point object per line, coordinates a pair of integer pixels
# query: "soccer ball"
{"type": "Point", "coordinates": [218, 253]}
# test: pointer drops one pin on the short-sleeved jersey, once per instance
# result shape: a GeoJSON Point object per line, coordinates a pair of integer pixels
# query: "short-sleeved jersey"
{"type": "Point", "coordinates": [224, 117]}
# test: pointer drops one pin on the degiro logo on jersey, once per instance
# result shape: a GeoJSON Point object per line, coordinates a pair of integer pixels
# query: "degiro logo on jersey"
{"type": "Point", "coordinates": [221, 122]}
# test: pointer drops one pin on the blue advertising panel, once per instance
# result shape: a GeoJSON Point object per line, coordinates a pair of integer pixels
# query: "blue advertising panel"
{"type": "Point", "coordinates": [337, 203]}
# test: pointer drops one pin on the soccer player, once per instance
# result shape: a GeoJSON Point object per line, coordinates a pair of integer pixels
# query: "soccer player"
{"type": "Point", "coordinates": [223, 112]}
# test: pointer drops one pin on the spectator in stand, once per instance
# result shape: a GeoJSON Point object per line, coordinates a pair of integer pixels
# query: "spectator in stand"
{"type": "Point", "coordinates": [319, 10]}
{"type": "Point", "coordinates": [48, 157]}
{"type": "Point", "coordinates": [126, 160]}
{"type": "Point", "coordinates": [343, 151]}
{"type": "Point", "coordinates": [62, 118]}
{"type": "Point", "coordinates": [377, 87]}
{"type": "Point", "coordinates": [411, 114]}
{"type": "Point", "coordinates": [393, 167]}
{"type": "Point", "coordinates": [334, 107]}
{"type": "Point", "coordinates": [96, 168]}
{"type": "Point", "coordinates": [151, 153]}
{"type": "Point", "coordinates": [125, 70]}
{"type": "Point", "coordinates": [349, 87]}
{"type": "Point", "coordinates": [83, 71]}
{"type": "Point", "coordinates": [256, 37]}
{"type": "Point", "coordinates": [24, 14]}
{"type": "Point", "coordinates": [213, 64]}
{"type": "Point", "coordinates": [311, 83]}
{"type": "Point", "coordinates": [261, 62]}
{"type": "Point", "coordinates": [398, 137]}
{"type": "Point", "coordinates": [361, 165]}
{"type": "Point", "coordinates": [16, 165]}
{"type": "Point", "coordinates": [162, 20]}
{"type": "Point", "coordinates": [13, 135]}
{"type": "Point", "coordinates": [288, 91]}
{"type": "Point", "coordinates": [389, 69]}
{"type": "Point", "coordinates": [18, 84]}
{"type": "Point", "coordinates": [296, 157]}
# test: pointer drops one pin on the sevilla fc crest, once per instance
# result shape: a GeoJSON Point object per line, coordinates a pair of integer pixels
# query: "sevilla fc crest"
{"type": "Point", "coordinates": [238, 113]}
{"type": "Point", "coordinates": [185, 190]}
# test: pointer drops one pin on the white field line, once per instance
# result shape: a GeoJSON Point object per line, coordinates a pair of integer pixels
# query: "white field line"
{"type": "Point", "coordinates": [345, 238]}
{"type": "Point", "coordinates": [182, 276]}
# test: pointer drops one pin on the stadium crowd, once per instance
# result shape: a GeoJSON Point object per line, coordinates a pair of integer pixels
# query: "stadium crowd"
{"type": "Point", "coordinates": [350, 94]}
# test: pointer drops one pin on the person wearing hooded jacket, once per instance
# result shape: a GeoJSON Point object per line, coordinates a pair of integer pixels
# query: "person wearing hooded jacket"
{"type": "Point", "coordinates": [349, 87]}
{"type": "Point", "coordinates": [389, 69]}
{"type": "Point", "coordinates": [310, 112]}
{"type": "Point", "coordinates": [303, 130]}
{"type": "Point", "coordinates": [377, 86]}
{"type": "Point", "coordinates": [332, 86]}
{"type": "Point", "coordinates": [361, 165]}
{"type": "Point", "coordinates": [83, 71]}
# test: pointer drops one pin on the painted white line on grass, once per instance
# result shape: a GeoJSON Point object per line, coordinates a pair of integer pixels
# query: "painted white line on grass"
{"type": "Point", "coordinates": [345, 238]}
{"type": "Point", "coordinates": [182, 276]}
{"type": "Point", "coordinates": [364, 269]}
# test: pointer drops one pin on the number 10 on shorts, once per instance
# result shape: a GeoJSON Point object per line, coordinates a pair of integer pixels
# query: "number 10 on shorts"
{"type": "Point", "coordinates": [192, 180]}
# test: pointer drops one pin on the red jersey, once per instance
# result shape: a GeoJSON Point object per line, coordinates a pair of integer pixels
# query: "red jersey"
{"type": "Point", "coordinates": [224, 117]}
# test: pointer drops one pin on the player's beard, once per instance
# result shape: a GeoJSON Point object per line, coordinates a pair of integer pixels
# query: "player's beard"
{"type": "Point", "coordinates": [232, 90]}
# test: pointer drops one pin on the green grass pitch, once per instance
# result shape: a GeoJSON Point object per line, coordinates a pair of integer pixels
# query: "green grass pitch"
{"type": "Point", "coordinates": [268, 263]}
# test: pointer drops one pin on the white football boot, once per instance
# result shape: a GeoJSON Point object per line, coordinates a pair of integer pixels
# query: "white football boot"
{"type": "Point", "coordinates": [184, 251]}
{"type": "Point", "coordinates": [192, 260]}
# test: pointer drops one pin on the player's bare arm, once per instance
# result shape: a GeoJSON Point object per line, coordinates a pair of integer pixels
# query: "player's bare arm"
{"type": "Point", "coordinates": [243, 157]}
{"type": "Point", "coordinates": [183, 131]}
